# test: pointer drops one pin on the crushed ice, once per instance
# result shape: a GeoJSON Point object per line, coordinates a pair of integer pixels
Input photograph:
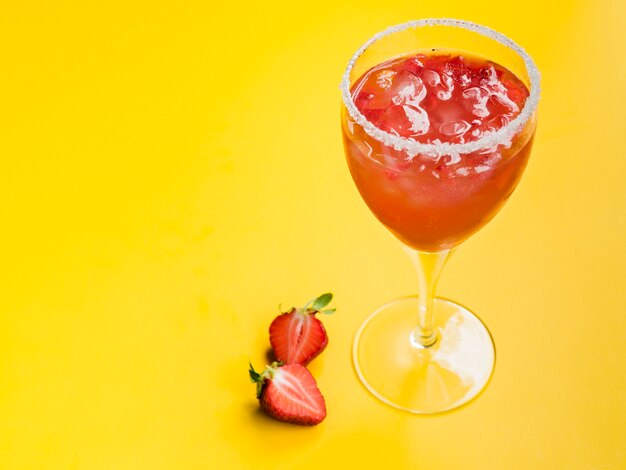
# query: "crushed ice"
{"type": "Point", "coordinates": [487, 140]}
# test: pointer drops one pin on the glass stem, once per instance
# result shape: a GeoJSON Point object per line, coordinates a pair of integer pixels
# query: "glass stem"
{"type": "Point", "coordinates": [428, 267]}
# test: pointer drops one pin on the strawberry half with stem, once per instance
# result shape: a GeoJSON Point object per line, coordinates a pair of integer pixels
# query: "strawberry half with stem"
{"type": "Point", "coordinates": [297, 336]}
{"type": "Point", "coordinates": [289, 393]}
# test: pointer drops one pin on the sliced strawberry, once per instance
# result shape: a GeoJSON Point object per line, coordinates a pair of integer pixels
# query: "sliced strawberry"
{"type": "Point", "coordinates": [297, 336]}
{"type": "Point", "coordinates": [289, 393]}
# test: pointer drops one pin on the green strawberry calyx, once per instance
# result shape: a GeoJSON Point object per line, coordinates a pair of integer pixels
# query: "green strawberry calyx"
{"type": "Point", "coordinates": [267, 374]}
{"type": "Point", "coordinates": [316, 305]}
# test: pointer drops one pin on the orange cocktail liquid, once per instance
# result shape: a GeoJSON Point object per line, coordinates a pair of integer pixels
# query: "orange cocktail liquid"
{"type": "Point", "coordinates": [434, 202]}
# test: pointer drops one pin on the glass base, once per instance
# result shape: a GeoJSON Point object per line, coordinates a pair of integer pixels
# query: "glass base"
{"type": "Point", "coordinates": [421, 380]}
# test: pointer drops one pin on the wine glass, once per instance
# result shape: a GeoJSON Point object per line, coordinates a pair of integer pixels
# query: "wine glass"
{"type": "Point", "coordinates": [424, 354]}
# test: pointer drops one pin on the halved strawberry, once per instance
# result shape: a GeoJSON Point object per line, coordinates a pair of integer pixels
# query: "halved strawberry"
{"type": "Point", "coordinates": [289, 393]}
{"type": "Point", "coordinates": [297, 336]}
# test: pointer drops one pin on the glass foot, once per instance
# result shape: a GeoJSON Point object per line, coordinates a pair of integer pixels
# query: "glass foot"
{"type": "Point", "coordinates": [420, 380]}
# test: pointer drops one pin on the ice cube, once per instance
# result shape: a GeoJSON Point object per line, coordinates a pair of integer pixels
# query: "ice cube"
{"type": "Point", "coordinates": [498, 122]}
{"type": "Point", "coordinates": [441, 84]}
{"type": "Point", "coordinates": [506, 101]}
{"type": "Point", "coordinates": [414, 66]}
{"type": "Point", "coordinates": [492, 83]}
{"type": "Point", "coordinates": [452, 159]}
{"type": "Point", "coordinates": [477, 96]}
{"type": "Point", "coordinates": [431, 78]}
{"type": "Point", "coordinates": [419, 119]}
{"type": "Point", "coordinates": [408, 89]}
{"type": "Point", "coordinates": [384, 78]}
{"type": "Point", "coordinates": [403, 87]}
{"type": "Point", "coordinates": [464, 79]}
{"type": "Point", "coordinates": [489, 74]}
{"type": "Point", "coordinates": [405, 120]}
{"type": "Point", "coordinates": [493, 159]}
{"type": "Point", "coordinates": [448, 81]}
{"type": "Point", "coordinates": [454, 128]}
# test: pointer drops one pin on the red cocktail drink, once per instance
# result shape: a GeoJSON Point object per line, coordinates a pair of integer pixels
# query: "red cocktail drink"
{"type": "Point", "coordinates": [432, 202]}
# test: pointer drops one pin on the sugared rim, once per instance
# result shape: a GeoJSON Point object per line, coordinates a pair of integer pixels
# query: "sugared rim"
{"type": "Point", "coordinates": [489, 139]}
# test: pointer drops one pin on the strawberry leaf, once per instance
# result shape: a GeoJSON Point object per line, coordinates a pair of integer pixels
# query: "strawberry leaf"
{"type": "Point", "coordinates": [322, 301]}
{"type": "Point", "coordinates": [328, 311]}
{"type": "Point", "coordinates": [258, 379]}
{"type": "Point", "coordinates": [254, 375]}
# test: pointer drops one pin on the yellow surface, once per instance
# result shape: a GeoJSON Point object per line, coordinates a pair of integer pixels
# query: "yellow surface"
{"type": "Point", "coordinates": [172, 171]}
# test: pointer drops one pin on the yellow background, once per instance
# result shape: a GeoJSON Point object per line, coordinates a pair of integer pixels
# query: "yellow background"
{"type": "Point", "coordinates": [172, 171]}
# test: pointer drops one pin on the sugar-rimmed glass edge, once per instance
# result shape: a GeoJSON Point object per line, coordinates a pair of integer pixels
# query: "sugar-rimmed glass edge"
{"type": "Point", "coordinates": [489, 139]}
